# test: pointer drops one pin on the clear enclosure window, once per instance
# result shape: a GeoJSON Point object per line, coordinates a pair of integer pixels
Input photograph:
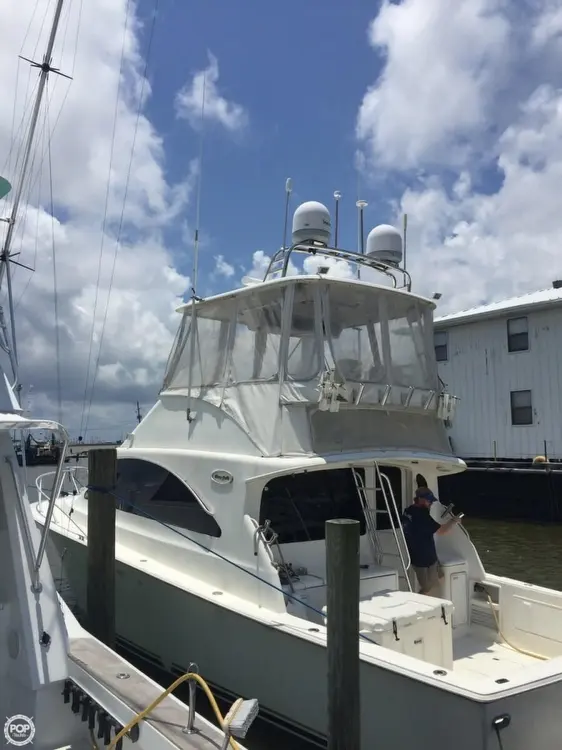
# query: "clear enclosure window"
{"type": "Point", "coordinates": [356, 335]}
{"type": "Point", "coordinates": [303, 353]}
{"type": "Point", "coordinates": [408, 345]}
{"type": "Point", "coordinates": [210, 351]}
{"type": "Point", "coordinates": [257, 339]}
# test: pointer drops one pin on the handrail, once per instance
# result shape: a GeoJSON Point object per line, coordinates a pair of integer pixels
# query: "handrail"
{"type": "Point", "coordinates": [55, 491]}
{"type": "Point", "coordinates": [36, 560]}
{"type": "Point", "coordinates": [405, 566]}
{"type": "Point", "coordinates": [367, 512]}
{"type": "Point", "coordinates": [69, 472]}
{"type": "Point", "coordinates": [42, 493]}
{"type": "Point", "coordinates": [26, 531]}
{"type": "Point", "coordinates": [351, 257]}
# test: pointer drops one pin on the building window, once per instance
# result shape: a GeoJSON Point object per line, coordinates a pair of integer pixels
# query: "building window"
{"type": "Point", "coordinates": [149, 490]}
{"type": "Point", "coordinates": [521, 407]}
{"type": "Point", "coordinates": [441, 343]}
{"type": "Point", "coordinates": [517, 334]}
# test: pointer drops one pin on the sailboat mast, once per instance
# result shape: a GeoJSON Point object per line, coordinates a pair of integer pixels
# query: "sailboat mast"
{"type": "Point", "coordinates": [45, 68]}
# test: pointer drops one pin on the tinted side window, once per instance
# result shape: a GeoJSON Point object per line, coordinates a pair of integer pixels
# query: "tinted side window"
{"type": "Point", "coordinates": [299, 505]}
{"type": "Point", "coordinates": [153, 492]}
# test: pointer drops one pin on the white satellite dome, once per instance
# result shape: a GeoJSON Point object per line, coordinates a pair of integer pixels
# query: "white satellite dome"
{"type": "Point", "coordinates": [312, 222]}
{"type": "Point", "coordinates": [385, 244]}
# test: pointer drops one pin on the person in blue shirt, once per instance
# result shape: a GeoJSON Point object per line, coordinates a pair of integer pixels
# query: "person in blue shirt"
{"type": "Point", "coordinates": [419, 530]}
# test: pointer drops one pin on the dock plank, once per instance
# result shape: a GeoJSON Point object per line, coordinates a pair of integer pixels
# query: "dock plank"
{"type": "Point", "coordinates": [138, 693]}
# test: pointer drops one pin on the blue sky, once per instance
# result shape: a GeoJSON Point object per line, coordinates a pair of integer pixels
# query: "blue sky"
{"type": "Point", "coordinates": [299, 69]}
{"type": "Point", "coordinates": [453, 110]}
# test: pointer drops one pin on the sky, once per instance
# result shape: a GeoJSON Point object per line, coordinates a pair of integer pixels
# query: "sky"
{"type": "Point", "coordinates": [448, 112]}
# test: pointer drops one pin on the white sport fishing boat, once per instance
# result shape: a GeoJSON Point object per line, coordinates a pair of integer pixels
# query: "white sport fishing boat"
{"type": "Point", "coordinates": [290, 401]}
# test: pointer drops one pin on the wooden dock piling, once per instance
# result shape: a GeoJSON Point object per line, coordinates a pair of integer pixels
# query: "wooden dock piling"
{"type": "Point", "coordinates": [342, 562]}
{"type": "Point", "coordinates": [100, 598]}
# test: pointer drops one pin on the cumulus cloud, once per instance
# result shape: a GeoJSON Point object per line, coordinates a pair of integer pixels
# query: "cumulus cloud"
{"type": "Point", "coordinates": [217, 108]}
{"type": "Point", "coordinates": [466, 110]}
{"type": "Point", "coordinates": [222, 268]}
{"type": "Point", "coordinates": [127, 341]}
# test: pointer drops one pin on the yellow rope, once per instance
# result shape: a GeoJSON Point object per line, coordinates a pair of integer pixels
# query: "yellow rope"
{"type": "Point", "coordinates": [502, 636]}
{"type": "Point", "coordinates": [143, 714]}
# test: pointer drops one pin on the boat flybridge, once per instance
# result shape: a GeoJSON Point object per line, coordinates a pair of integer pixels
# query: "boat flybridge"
{"type": "Point", "coordinates": [290, 401]}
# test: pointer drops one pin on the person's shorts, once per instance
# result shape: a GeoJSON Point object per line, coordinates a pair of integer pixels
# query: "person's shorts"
{"type": "Point", "coordinates": [428, 578]}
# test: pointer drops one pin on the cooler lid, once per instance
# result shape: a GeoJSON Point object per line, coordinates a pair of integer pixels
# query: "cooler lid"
{"type": "Point", "coordinates": [387, 610]}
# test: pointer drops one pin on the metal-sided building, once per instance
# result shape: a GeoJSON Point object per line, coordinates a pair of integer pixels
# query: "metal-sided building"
{"type": "Point", "coordinates": [504, 362]}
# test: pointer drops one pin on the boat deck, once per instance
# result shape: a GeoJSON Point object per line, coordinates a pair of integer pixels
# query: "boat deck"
{"type": "Point", "coordinates": [481, 653]}
{"type": "Point", "coordinates": [137, 691]}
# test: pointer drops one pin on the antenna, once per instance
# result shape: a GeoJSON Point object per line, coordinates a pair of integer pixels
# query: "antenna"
{"type": "Point", "coordinates": [404, 232]}
{"type": "Point", "coordinates": [139, 415]}
{"type": "Point", "coordinates": [199, 181]}
{"type": "Point", "coordinates": [189, 414]}
{"type": "Point", "coordinates": [288, 191]}
{"type": "Point", "coordinates": [361, 205]}
{"type": "Point", "coordinates": [5, 257]}
{"type": "Point", "coordinates": [337, 196]}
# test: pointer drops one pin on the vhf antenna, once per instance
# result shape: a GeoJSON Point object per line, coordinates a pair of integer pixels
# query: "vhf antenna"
{"type": "Point", "coordinates": [337, 196]}
{"type": "Point", "coordinates": [361, 205]}
{"type": "Point", "coordinates": [288, 191]}
{"type": "Point", "coordinates": [404, 232]}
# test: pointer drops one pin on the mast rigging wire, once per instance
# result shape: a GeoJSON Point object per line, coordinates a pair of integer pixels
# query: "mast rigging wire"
{"type": "Point", "coordinates": [121, 219]}
{"type": "Point", "coordinates": [55, 286]}
{"type": "Point", "coordinates": [104, 221]}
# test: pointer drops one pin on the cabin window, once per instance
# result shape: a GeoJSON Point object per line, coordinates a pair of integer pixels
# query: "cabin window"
{"type": "Point", "coordinates": [521, 408]}
{"type": "Point", "coordinates": [149, 490]}
{"type": "Point", "coordinates": [394, 477]}
{"type": "Point", "coordinates": [441, 343]}
{"type": "Point", "coordinates": [298, 505]}
{"type": "Point", "coordinates": [518, 334]}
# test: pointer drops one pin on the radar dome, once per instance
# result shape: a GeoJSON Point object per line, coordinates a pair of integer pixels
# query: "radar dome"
{"type": "Point", "coordinates": [384, 243]}
{"type": "Point", "coordinates": [311, 222]}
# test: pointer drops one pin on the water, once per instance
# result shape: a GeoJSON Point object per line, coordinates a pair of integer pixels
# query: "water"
{"type": "Point", "coordinates": [529, 552]}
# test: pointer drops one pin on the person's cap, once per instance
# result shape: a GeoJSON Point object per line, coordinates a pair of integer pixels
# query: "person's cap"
{"type": "Point", "coordinates": [426, 493]}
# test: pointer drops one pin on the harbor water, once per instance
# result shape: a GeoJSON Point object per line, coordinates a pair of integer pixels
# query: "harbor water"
{"type": "Point", "coordinates": [531, 552]}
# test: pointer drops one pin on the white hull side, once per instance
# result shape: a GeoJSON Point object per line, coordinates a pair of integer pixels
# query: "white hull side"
{"type": "Point", "coordinates": [287, 674]}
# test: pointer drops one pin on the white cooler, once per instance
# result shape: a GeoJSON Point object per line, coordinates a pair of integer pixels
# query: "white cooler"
{"type": "Point", "coordinates": [412, 624]}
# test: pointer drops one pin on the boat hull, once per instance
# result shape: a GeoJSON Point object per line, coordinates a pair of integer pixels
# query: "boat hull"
{"type": "Point", "coordinates": [171, 628]}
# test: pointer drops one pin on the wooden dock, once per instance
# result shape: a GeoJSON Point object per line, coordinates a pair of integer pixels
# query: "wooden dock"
{"type": "Point", "coordinates": [167, 721]}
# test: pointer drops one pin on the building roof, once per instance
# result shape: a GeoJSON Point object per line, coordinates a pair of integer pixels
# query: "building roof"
{"type": "Point", "coordinates": [525, 303]}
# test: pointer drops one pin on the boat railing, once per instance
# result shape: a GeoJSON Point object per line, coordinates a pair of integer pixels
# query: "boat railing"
{"type": "Point", "coordinates": [36, 559]}
{"type": "Point", "coordinates": [369, 514]}
{"type": "Point", "coordinates": [279, 263]}
{"type": "Point", "coordinates": [68, 474]}
{"type": "Point", "coordinates": [395, 522]}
